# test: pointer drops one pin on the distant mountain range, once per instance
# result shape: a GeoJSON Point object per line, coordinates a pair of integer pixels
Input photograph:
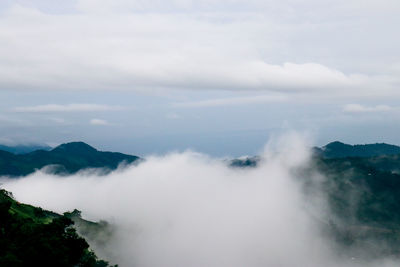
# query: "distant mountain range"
{"type": "Point", "coordinates": [340, 150]}
{"type": "Point", "coordinates": [75, 156]}
{"type": "Point", "coordinates": [22, 149]}
{"type": "Point", "coordinates": [64, 159]}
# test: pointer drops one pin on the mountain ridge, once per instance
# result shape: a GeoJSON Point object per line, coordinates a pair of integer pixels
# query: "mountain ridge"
{"type": "Point", "coordinates": [23, 149]}
{"type": "Point", "coordinates": [66, 158]}
{"type": "Point", "coordinates": [338, 149]}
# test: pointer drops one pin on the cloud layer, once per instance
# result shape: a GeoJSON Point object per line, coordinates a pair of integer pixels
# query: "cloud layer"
{"type": "Point", "coordinates": [132, 45]}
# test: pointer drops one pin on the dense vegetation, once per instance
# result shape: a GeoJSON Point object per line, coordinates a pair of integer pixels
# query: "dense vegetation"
{"type": "Point", "coordinates": [64, 159]}
{"type": "Point", "coordinates": [364, 203]}
{"type": "Point", "coordinates": [30, 236]}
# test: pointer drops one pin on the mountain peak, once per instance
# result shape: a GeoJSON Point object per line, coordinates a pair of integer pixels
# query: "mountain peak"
{"type": "Point", "coordinates": [74, 147]}
{"type": "Point", "coordinates": [335, 144]}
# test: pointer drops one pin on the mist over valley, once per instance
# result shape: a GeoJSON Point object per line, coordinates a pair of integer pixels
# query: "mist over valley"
{"type": "Point", "coordinates": [289, 206]}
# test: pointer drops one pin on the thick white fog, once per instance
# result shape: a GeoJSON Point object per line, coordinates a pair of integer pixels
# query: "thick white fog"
{"type": "Point", "coordinates": [189, 210]}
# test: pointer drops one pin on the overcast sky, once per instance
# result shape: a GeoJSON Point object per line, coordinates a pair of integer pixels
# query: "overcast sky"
{"type": "Point", "coordinates": [217, 76]}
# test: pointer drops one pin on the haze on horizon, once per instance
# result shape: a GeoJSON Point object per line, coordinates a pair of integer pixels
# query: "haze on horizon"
{"type": "Point", "coordinates": [220, 77]}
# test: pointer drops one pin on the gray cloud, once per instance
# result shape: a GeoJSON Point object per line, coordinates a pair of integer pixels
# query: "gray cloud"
{"type": "Point", "coordinates": [225, 49]}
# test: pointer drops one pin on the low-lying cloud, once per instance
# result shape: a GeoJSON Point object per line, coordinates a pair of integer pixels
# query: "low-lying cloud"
{"type": "Point", "coordinates": [187, 209]}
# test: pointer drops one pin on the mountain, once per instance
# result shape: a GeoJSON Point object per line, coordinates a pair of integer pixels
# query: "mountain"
{"type": "Point", "coordinates": [31, 236]}
{"type": "Point", "coordinates": [364, 200]}
{"type": "Point", "coordinates": [362, 195]}
{"type": "Point", "coordinates": [23, 149]}
{"type": "Point", "coordinates": [64, 159]}
{"type": "Point", "coordinates": [340, 150]}
{"type": "Point", "coordinates": [245, 162]}
{"type": "Point", "coordinates": [362, 186]}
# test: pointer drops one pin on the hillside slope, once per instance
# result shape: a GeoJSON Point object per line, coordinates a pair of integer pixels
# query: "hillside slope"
{"type": "Point", "coordinates": [31, 236]}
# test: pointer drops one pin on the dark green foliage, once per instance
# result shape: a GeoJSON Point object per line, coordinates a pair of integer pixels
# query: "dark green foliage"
{"type": "Point", "coordinates": [376, 193]}
{"type": "Point", "coordinates": [64, 159]}
{"type": "Point", "coordinates": [364, 202]}
{"type": "Point", "coordinates": [30, 236]}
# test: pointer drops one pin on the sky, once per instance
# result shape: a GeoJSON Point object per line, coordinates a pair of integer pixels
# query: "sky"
{"type": "Point", "coordinates": [220, 77]}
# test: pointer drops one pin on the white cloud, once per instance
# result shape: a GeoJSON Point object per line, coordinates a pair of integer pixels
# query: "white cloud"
{"type": "Point", "coordinates": [67, 108]}
{"type": "Point", "coordinates": [357, 108]}
{"type": "Point", "coordinates": [232, 101]}
{"type": "Point", "coordinates": [218, 47]}
{"type": "Point", "coordinates": [98, 122]}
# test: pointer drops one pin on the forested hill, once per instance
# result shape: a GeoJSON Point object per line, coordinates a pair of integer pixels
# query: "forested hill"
{"type": "Point", "coordinates": [340, 150]}
{"type": "Point", "coordinates": [65, 159]}
{"type": "Point", "coordinates": [31, 236]}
